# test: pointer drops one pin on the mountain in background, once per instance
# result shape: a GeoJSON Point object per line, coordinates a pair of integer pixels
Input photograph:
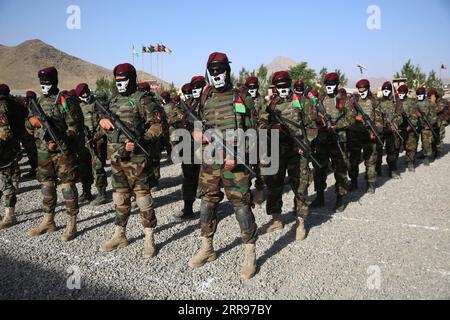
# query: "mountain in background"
{"type": "Point", "coordinates": [19, 67]}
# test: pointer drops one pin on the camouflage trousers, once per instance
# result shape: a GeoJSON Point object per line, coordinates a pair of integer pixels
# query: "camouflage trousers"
{"type": "Point", "coordinates": [259, 180]}
{"type": "Point", "coordinates": [392, 147]}
{"type": "Point", "coordinates": [324, 153]}
{"type": "Point", "coordinates": [440, 130]}
{"type": "Point", "coordinates": [361, 144]}
{"type": "Point", "coordinates": [410, 146]}
{"type": "Point", "coordinates": [191, 173]}
{"type": "Point", "coordinates": [155, 172]}
{"type": "Point", "coordinates": [427, 142]}
{"type": "Point", "coordinates": [132, 175]}
{"type": "Point", "coordinates": [7, 189]}
{"type": "Point", "coordinates": [92, 168]}
{"type": "Point", "coordinates": [300, 178]}
{"type": "Point", "coordinates": [54, 166]}
{"type": "Point", "coordinates": [236, 184]}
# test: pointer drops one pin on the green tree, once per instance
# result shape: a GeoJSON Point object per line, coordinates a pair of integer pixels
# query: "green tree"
{"type": "Point", "coordinates": [262, 77]}
{"type": "Point", "coordinates": [301, 71]}
{"type": "Point", "coordinates": [243, 74]}
{"type": "Point", "coordinates": [105, 88]}
{"type": "Point", "coordinates": [413, 75]}
{"type": "Point", "coordinates": [433, 81]}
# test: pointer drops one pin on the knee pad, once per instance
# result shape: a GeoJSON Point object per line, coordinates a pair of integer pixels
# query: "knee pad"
{"type": "Point", "coordinates": [245, 218]}
{"type": "Point", "coordinates": [48, 189]}
{"type": "Point", "coordinates": [120, 198]}
{"type": "Point", "coordinates": [206, 213]}
{"type": "Point", "coordinates": [144, 202]}
{"type": "Point", "coordinates": [69, 192]}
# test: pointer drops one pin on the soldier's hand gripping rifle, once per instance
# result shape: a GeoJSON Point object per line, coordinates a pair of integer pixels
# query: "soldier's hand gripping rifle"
{"type": "Point", "coordinates": [52, 133]}
{"type": "Point", "coordinates": [192, 117]}
{"type": "Point", "coordinates": [89, 141]}
{"type": "Point", "coordinates": [304, 147]}
{"type": "Point", "coordinates": [122, 127]}
{"type": "Point", "coordinates": [410, 124]}
{"type": "Point", "coordinates": [392, 126]}
{"type": "Point", "coordinates": [424, 119]}
{"type": "Point", "coordinates": [368, 121]}
{"type": "Point", "coordinates": [327, 119]}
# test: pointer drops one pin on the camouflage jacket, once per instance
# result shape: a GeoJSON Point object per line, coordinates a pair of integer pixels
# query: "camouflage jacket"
{"type": "Point", "coordinates": [339, 110]}
{"type": "Point", "coordinates": [429, 109]}
{"type": "Point", "coordinates": [259, 104]}
{"type": "Point", "coordinates": [391, 112]}
{"type": "Point", "coordinates": [66, 116]}
{"type": "Point", "coordinates": [443, 109]}
{"type": "Point", "coordinates": [409, 107]}
{"type": "Point", "coordinates": [370, 107]}
{"type": "Point", "coordinates": [302, 118]}
{"type": "Point", "coordinates": [9, 143]}
{"type": "Point", "coordinates": [92, 118]}
{"type": "Point", "coordinates": [142, 116]}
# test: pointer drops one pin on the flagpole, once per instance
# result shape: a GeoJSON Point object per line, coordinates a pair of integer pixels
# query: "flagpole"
{"type": "Point", "coordinates": [132, 54]}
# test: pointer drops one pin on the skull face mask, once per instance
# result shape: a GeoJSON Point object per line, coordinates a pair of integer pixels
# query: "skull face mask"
{"type": "Point", "coordinates": [85, 99]}
{"type": "Point", "coordinates": [402, 96]}
{"type": "Point", "coordinates": [196, 93]}
{"type": "Point", "coordinates": [364, 94]}
{"type": "Point", "coordinates": [331, 89]}
{"type": "Point", "coordinates": [219, 80]}
{"type": "Point", "coordinates": [386, 93]}
{"type": "Point", "coordinates": [420, 97]}
{"type": "Point", "coordinates": [187, 96]}
{"type": "Point", "coordinates": [253, 92]}
{"type": "Point", "coordinates": [45, 88]}
{"type": "Point", "coordinates": [283, 92]}
{"type": "Point", "coordinates": [122, 85]}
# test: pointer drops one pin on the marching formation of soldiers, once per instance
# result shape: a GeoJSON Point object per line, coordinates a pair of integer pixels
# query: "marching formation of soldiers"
{"type": "Point", "coordinates": [69, 135]}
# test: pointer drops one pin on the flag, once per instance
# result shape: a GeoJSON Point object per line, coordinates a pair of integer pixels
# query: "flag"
{"type": "Point", "coordinates": [167, 50]}
{"type": "Point", "coordinates": [152, 49]}
{"type": "Point", "coordinates": [145, 49]}
{"type": "Point", "coordinates": [134, 52]}
{"type": "Point", "coordinates": [444, 67]}
{"type": "Point", "coordinates": [64, 103]}
{"type": "Point", "coordinates": [296, 103]}
{"type": "Point", "coordinates": [239, 106]}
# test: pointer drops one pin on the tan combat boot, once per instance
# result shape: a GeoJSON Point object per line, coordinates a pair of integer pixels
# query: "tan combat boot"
{"type": "Point", "coordinates": [204, 255]}
{"type": "Point", "coordinates": [300, 232]}
{"type": "Point", "coordinates": [71, 229]}
{"type": "Point", "coordinates": [9, 220]}
{"type": "Point", "coordinates": [149, 244]}
{"type": "Point", "coordinates": [47, 226]}
{"type": "Point", "coordinates": [118, 240]}
{"type": "Point", "coordinates": [274, 224]}
{"type": "Point", "coordinates": [249, 266]}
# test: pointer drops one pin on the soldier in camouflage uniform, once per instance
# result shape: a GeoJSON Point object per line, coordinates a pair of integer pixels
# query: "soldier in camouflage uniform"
{"type": "Point", "coordinates": [178, 119]}
{"type": "Point", "coordinates": [9, 148]}
{"type": "Point", "coordinates": [443, 116]}
{"type": "Point", "coordinates": [130, 169]}
{"type": "Point", "coordinates": [91, 152]}
{"type": "Point", "coordinates": [362, 140]}
{"type": "Point", "coordinates": [392, 119]}
{"type": "Point", "coordinates": [429, 110]}
{"type": "Point", "coordinates": [408, 106]}
{"type": "Point", "coordinates": [326, 143]}
{"type": "Point", "coordinates": [252, 86]}
{"type": "Point", "coordinates": [56, 163]}
{"type": "Point", "coordinates": [300, 115]}
{"type": "Point", "coordinates": [224, 109]}
{"type": "Point", "coordinates": [166, 103]}
{"type": "Point", "coordinates": [27, 140]}
{"type": "Point", "coordinates": [150, 98]}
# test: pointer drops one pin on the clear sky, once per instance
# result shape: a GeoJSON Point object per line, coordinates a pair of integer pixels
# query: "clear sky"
{"type": "Point", "coordinates": [323, 33]}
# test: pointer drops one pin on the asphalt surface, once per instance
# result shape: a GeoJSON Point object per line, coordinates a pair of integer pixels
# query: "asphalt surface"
{"type": "Point", "coordinates": [394, 244]}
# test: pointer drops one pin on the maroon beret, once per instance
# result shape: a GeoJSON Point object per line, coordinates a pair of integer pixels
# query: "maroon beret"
{"type": "Point", "coordinates": [281, 76]}
{"type": "Point", "coordinates": [342, 91]}
{"type": "Point", "coordinates": [386, 85]}
{"type": "Point", "coordinates": [31, 94]}
{"type": "Point", "coordinates": [432, 92]}
{"type": "Point", "coordinates": [403, 89]}
{"type": "Point", "coordinates": [331, 77]}
{"type": "Point", "coordinates": [165, 95]}
{"type": "Point", "coordinates": [186, 88]}
{"type": "Point", "coordinates": [73, 93]}
{"type": "Point", "coordinates": [176, 99]}
{"type": "Point", "coordinates": [49, 72]}
{"type": "Point", "coordinates": [363, 83]}
{"type": "Point", "coordinates": [217, 57]}
{"type": "Point", "coordinates": [198, 79]}
{"type": "Point", "coordinates": [125, 69]}
{"type": "Point", "coordinates": [143, 86]}
{"type": "Point", "coordinates": [82, 88]}
{"type": "Point", "coordinates": [420, 90]}
{"type": "Point", "coordinates": [4, 89]}
{"type": "Point", "coordinates": [252, 81]}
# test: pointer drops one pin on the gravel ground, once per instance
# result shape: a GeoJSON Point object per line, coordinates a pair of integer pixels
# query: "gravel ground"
{"type": "Point", "coordinates": [394, 244]}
